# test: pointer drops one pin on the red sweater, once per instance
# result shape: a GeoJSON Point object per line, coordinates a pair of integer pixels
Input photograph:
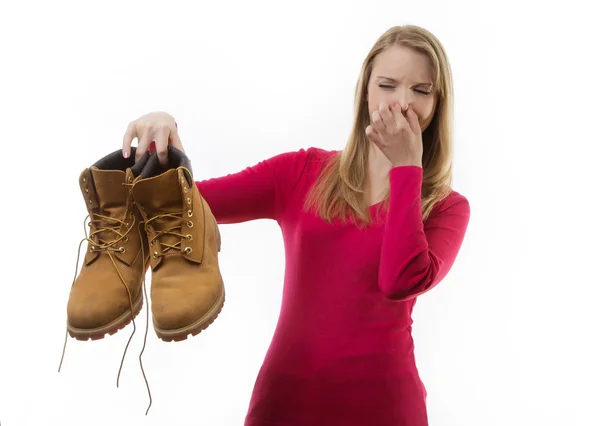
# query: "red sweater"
{"type": "Point", "coordinates": [342, 352]}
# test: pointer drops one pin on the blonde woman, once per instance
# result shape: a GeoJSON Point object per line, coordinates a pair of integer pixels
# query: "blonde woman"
{"type": "Point", "coordinates": [366, 231]}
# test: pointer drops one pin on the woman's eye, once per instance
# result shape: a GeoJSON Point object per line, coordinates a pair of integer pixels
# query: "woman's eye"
{"type": "Point", "coordinates": [390, 87]}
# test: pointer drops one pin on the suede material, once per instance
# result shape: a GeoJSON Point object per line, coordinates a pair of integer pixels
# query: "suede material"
{"type": "Point", "coordinates": [99, 301]}
{"type": "Point", "coordinates": [186, 280]}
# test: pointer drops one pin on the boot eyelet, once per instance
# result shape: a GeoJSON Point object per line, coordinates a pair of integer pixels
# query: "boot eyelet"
{"type": "Point", "coordinates": [188, 237]}
{"type": "Point", "coordinates": [190, 224]}
{"type": "Point", "coordinates": [188, 250]}
{"type": "Point", "coordinates": [83, 180]}
{"type": "Point", "coordinates": [90, 200]}
{"type": "Point", "coordinates": [126, 239]}
{"type": "Point", "coordinates": [190, 213]}
{"type": "Point", "coordinates": [87, 190]}
{"type": "Point", "coordinates": [185, 189]}
{"type": "Point", "coordinates": [121, 249]}
{"type": "Point", "coordinates": [155, 255]}
{"type": "Point", "coordinates": [130, 179]}
{"type": "Point", "coordinates": [152, 242]}
{"type": "Point", "coordinates": [189, 201]}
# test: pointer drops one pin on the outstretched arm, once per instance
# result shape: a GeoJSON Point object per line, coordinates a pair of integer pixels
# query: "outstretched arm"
{"type": "Point", "coordinates": [257, 192]}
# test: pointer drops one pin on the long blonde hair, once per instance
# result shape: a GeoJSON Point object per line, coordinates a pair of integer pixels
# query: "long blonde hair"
{"type": "Point", "coordinates": [339, 190]}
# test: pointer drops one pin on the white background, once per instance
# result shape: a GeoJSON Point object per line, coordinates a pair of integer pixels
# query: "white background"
{"type": "Point", "coordinates": [510, 337]}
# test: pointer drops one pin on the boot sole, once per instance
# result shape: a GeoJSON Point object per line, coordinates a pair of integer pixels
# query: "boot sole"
{"type": "Point", "coordinates": [121, 322]}
{"type": "Point", "coordinates": [180, 334]}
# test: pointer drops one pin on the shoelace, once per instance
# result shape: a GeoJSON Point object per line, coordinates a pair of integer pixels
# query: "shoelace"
{"type": "Point", "coordinates": [105, 224]}
{"type": "Point", "coordinates": [109, 247]}
{"type": "Point", "coordinates": [169, 231]}
{"type": "Point", "coordinates": [108, 224]}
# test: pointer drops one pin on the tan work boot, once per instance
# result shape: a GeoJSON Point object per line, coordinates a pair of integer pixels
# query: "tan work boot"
{"type": "Point", "coordinates": [183, 238]}
{"type": "Point", "coordinates": [106, 295]}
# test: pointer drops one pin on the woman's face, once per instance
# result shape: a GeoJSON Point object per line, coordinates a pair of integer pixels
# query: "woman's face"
{"type": "Point", "coordinates": [403, 75]}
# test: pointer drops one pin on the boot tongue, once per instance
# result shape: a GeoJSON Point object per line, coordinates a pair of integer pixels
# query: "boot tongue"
{"type": "Point", "coordinates": [112, 194]}
{"type": "Point", "coordinates": [158, 196]}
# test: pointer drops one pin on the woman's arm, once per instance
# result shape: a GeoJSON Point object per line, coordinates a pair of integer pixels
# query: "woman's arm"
{"type": "Point", "coordinates": [257, 192]}
{"type": "Point", "coordinates": [415, 257]}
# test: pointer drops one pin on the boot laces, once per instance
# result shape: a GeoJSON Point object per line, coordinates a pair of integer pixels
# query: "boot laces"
{"type": "Point", "coordinates": [102, 225]}
{"type": "Point", "coordinates": [167, 224]}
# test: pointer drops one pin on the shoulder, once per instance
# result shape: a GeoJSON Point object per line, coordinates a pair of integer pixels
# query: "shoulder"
{"type": "Point", "coordinates": [320, 154]}
{"type": "Point", "coordinates": [317, 159]}
{"type": "Point", "coordinates": [455, 204]}
{"type": "Point", "coordinates": [293, 170]}
{"type": "Point", "coordinates": [453, 197]}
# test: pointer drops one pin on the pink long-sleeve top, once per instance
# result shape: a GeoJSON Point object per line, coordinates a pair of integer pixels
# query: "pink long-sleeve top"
{"type": "Point", "coordinates": [342, 352]}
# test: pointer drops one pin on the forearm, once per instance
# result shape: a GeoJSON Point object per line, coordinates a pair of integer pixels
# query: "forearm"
{"type": "Point", "coordinates": [416, 256]}
{"type": "Point", "coordinates": [240, 197]}
{"type": "Point", "coordinates": [257, 192]}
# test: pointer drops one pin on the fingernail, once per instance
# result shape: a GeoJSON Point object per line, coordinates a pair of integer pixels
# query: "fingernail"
{"type": "Point", "coordinates": [125, 154]}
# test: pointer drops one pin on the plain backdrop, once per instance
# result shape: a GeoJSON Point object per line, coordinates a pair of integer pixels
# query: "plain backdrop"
{"type": "Point", "coordinates": [509, 338]}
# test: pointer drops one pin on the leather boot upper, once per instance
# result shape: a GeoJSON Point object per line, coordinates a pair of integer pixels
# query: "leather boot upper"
{"type": "Point", "coordinates": [183, 242]}
{"type": "Point", "coordinates": [113, 263]}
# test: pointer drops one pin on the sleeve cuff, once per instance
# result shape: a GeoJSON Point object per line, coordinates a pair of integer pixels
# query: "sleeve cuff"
{"type": "Point", "coordinates": [403, 175]}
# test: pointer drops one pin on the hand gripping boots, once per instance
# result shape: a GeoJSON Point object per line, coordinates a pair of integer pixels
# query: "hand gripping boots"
{"type": "Point", "coordinates": [183, 242]}
{"type": "Point", "coordinates": [106, 295]}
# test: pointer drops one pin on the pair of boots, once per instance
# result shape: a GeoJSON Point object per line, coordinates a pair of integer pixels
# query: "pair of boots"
{"type": "Point", "coordinates": [144, 215]}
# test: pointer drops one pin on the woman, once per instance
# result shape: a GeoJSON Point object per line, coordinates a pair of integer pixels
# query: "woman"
{"type": "Point", "coordinates": [366, 231]}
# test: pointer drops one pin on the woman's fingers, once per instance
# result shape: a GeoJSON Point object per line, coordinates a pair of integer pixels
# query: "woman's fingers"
{"type": "Point", "coordinates": [176, 141]}
{"type": "Point", "coordinates": [143, 144]}
{"type": "Point", "coordinates": [161, 143]}
{"type": "Point", "coordinates": [159, 128]}
{"type": "Point", "coordinates": [130, 135]}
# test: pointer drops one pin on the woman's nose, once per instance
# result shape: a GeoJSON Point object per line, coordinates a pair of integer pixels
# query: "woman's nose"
{"type": "Point", "coordinates": [404, 99]}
